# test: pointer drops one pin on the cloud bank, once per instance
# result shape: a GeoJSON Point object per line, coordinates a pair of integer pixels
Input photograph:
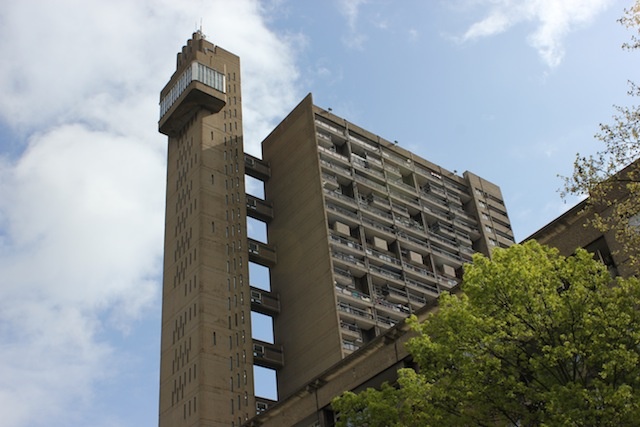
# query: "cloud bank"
{"type": "Point", "coordinates": [82, 200]}
{"type": "Point", "coordinates": [553, 20]}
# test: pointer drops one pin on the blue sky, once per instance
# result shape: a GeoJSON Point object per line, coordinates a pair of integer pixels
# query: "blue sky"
{"type": "Point", "coordinates": [509, 90]}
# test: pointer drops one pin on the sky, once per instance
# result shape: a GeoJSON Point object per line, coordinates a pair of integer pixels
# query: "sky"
{"type": "Point", "coordinates": [510, 90]}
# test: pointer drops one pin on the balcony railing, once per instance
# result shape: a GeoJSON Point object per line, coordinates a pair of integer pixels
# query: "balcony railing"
{"type": "Point", "coordinates": [448, 254]}
{"type": "Point", "coordinates": [347, 308]}
{"type": "Point", "coordinates": [348, 258]}
{"type": "Point", "coordinates": [377, 211]}
{"type": "Point", "coordinates": [376, 225]}
{"type": "Point", "coordinates": [370, 183]}
{"type": "Point", "coordinates": [424, 287]}
{"type": "Point", "coordinates": [337, 168]}
{"type": "Point", "coordinates": [333, 154]}
{"type": "Point", "coordinates": [386, 273]}
{"type": "Point", "coordinates": [351, 329]}
{"type": "Point", "coordinates": [363, 143]}
{"type": "Point", "coordinates": [345, 242]}
{"type": "Point", "coordinates": [408, 199]}
{"type": "Point", "coordinates": [353, 294]}
{"type": "Point", "coordinates": [414, 240]}
{"type": "Point", "coordinates": [447, 283]}
{"type": "Point", "coordinates": [340, 196]}
{"type": "Point", "coordinates": [342, 210]}
{"type": "Point", "coordinates": [382, 256]}
{"type": "Point", "coordinates": [398, 308]}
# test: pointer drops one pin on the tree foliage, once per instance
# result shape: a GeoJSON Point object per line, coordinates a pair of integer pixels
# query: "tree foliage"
{"type": "Point", "coordinates": [611, 177]}
{"type": "Point", "coordinates": [535, 339]}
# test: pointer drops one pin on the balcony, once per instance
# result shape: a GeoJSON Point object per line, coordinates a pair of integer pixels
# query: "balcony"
{"type": "Point", "coordinates": [367, 162]}
{"type": "Point", "coordinates": [345, 243]}
{"type": "Point", "coordinates": [364, 144]}
{"type": "Point", "coordinates": [394, 309]}
{"type": "Point", "coordinates": [344, 171]}
{"type": "Point", "coordinates": [370, 183]}
{"type": "Point", "coordinates": [436, 213]}
{"type": "Point", "coordinates": [386, 274]}
{"type": "Point", "coordinates": [350, 330]}
{"type": "Point", "coordinates": [350, 260]}
{"type": "Point", "coordinates": [409, 223]}
{"type": "Point", "coordinates": [451, 244]}
{"type": "Point", "coordinates": [399, 161]}
{"type": "Point", "coordinates": [261, 253]}
{"type": "Point", "coordinates": [339, 196]}
{"type": "Point", "coordinates": [198, 87]}
{"type": "Point", "coordinates": [415, 242]}
{"type": "Point", "coordinates": [393, 294]}
{"type": "Point", "coordinates": [377, 226]}
{"type": "Point", "coordinates": [447, 283]}
{"type": "Point", "coordinates": [259, 209]}
{"type": "Point", "coordinates": [353, 296]}
{"type": "Point", "coordinates": [392, 171]}
{"type": "Point", "coordinates": [382, 257]}
{"type": "Point", "coordinates": [436, 201]}
{"type": "Point", "coordinates": [256, 168]}
{"type": "Point", "coordinates": [378, 212]}
{"type": "Point", "coordinates": [332, 128]}
{"type": "Point", "coordinates": [423, 287]}
{"type": "Point", "coordinates": [412, 200]}
{"type": "Point", "coordinates": [342, 277]}
{"type": "Point", "coordinates": [417, 301]}
{"type": "Point", "coordinates": [377, 201]}
{"type": "Point", "coordinates": [403, 186]}
{"type": "Point", "coordinates": [349, 346]}
{"type": "Point", "coordinates": [361, 317]}
{"type": "Point", "coordinates": [400, 210]}
{"type": "Point", "coordinates": [330, 182]}
{"type": "Point", "coordinates": [385, 321]}
{"type": "Point", "coordinates": [332, 153]}
{"type": "Point", "coordinates": [446, 255]}
{"type": "Point", "coordinates": [466, 227]}
{"type": "Point", "coordinates": [420, 272]}
{"type": "Point", "coordinates": [264, 302]}
{"type": "Point", "coordinates": [267, 355]}
{"type": "Point", "coordinates": [342, 211]}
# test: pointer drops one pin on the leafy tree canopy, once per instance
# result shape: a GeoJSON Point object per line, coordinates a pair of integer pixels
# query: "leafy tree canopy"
{"type": "Point", "coordinates": [611, 177]}
{"type": "Point", "coordinates": [536, 339]}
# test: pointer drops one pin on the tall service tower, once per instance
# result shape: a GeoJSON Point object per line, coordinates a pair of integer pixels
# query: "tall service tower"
{"type": "Point", "coordinates": [206, 375]}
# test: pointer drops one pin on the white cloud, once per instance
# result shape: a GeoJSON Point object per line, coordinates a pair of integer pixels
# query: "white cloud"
{"type": "Point", "coordinates": [350, 9]}
{"type": "Point", "coordinates": [553, 20]}
{"type": "Point", "coordinates": [82, 207]}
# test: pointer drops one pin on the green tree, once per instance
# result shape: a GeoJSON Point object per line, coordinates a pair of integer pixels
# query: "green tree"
{"type": "Point", "coordinates": [611, 177]}
{"type": "Point", "coordinates": [535, 339]}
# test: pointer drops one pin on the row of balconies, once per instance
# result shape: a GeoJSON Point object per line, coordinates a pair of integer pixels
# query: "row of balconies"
{"type": "Point", "coordinates": [401, 274]}
{"type": "Point", "coordinates": [399, 219]}
{"type": "Point", "coordinates": [443, 246]}
{"type": "Point", "coordinates": [439, 209]}
{"type": "Point", "coordinates": [395, 165]}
